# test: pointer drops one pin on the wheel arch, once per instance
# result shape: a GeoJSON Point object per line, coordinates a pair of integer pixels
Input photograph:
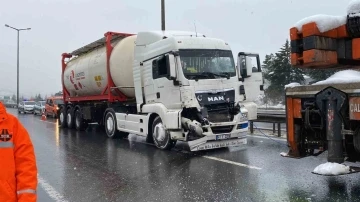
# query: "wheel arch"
{"type": "Point", "coordinates": [170, 117]}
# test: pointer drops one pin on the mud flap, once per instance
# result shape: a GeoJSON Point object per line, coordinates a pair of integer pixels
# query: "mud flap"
{"type": "Point", "coordinates": [331, 102]}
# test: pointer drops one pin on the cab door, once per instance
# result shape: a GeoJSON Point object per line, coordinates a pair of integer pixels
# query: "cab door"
{"type": "Point", "coordinates": [48, 106]}
{"type": "Point", "coordinates": [166, 89]}
{"type": "Point", "coordinates": [248, 65]}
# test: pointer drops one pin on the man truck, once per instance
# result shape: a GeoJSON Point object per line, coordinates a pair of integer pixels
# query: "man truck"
{"type": "Point", "coordinates": [326, 115]}
{"type": "Point", "coordinates": [163, 85]}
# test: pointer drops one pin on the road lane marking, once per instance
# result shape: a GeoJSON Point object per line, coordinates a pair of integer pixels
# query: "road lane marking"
{"type": "Point", "coordinates": [56, 196]}
{"type": "Point", "coordinates": [232, 162]}
{"type": "Point", "coordinates": [47, 122]}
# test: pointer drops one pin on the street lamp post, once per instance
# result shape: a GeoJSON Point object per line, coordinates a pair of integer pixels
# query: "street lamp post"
{"type": "Point", "coordinates": [163, 15]}
{"type": "Point", "coordinates": [18, 37]}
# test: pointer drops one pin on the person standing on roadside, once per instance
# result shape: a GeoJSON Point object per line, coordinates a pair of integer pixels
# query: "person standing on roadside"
{"type": "Point", "coordinates": [18, 170]}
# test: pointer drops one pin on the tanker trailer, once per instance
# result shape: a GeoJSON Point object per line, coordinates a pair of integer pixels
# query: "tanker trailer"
{"type": "Point", "coordinates": [163, 85]}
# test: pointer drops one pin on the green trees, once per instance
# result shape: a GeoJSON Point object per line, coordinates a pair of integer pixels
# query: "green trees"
{"type": "Point", "coordinates": [278, 72]}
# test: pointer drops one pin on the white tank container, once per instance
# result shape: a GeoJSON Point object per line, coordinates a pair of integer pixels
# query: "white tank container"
{"type": "Point", "coordinates": [86, 75]}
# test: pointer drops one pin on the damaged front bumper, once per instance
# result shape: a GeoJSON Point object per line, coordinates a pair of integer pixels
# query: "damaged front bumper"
{"type": "Point", "coordinates": [213, 142]}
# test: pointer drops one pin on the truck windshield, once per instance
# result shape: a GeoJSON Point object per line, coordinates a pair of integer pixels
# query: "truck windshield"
{"type": "Point", "coordinates": [207, 64]}
{"type": "Point", "coordinates": [58, 102]}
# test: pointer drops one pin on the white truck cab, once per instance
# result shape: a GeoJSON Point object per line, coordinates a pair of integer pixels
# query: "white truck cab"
{"type": "Point", "coordinates": [191, 82]}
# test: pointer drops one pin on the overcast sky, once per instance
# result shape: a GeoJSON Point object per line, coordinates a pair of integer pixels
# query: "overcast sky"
{"type": "Point", "coordinates": [64, 25]}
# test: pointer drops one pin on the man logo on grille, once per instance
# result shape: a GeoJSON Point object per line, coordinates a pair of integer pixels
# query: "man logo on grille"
{"type": "Point", "coordinates": [4, 135]}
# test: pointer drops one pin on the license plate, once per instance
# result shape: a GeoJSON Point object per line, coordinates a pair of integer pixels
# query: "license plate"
{"type": "Point", "coordinates": [222, 137]}
{"type": "Point", "coordinates": [226, 143]}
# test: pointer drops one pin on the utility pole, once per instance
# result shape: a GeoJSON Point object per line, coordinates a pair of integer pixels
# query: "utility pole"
{"type": "Point", "coordinates": [163, 15]}
{"type": "Point", "coordinates": [18, 39]}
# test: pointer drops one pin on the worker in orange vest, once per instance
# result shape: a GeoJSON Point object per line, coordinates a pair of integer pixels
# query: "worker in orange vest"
{"type": "Point", "coordinates": [18, 170]}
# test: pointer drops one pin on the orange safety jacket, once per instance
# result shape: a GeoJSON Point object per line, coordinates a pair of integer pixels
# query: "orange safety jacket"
{"type": "Point", "coordinates": [18, 170]}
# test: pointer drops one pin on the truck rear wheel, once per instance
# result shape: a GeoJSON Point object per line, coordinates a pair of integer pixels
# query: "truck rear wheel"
{"type": "Point", "coordinates": [62, 118]}
{"type": "Point", "coordinates": [110, 126]}
{"type": "Point", "coordinates": [70, 118]}
{"type": "Point", "coordinates": [80, 123]}
{"type": "Point", "coordinates": [161, 135]}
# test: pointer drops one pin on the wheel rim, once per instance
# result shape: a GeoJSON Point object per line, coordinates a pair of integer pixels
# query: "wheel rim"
{"type": "Point", "coordinates": [110, 123]}
{"type": "Point", "coordinates": [160, 132]}
{"type": "Point", "coordinates": [68, 118]}
{"type": "Point", "coordinates": [160, 136]}
{"type": "Point", "coordinates": [77, 120]}
{"type": "Point", "coordinates": [61, 117]}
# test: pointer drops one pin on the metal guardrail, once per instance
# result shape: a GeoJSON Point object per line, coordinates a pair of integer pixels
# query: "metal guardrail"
{"type": "Point", "coordinates": [276, 117]}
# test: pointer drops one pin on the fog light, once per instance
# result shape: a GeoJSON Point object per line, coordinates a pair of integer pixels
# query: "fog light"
{"type": "Point", "coordinates": [242, 125]}
{"type": "Point", "coordinates": [243, 117]}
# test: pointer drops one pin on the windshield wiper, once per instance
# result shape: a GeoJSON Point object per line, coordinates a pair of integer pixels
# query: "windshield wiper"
{"type": "Point", "coordinates": [223, 75]}
{"type": "Point", "coordinates": [226, 74]}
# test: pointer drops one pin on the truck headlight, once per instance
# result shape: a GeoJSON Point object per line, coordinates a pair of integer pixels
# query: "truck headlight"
{"type": "Point", "coordinates": [243, 116]}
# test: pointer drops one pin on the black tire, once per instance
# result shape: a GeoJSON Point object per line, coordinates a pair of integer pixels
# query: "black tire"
{"type": "Point", "coordinates": [110, 124]}
{"type": "Point", "coordinates": [70, 118]}
{"type": "Point", "coordinates": [80, 123]}
{"type": "Point", "coordinates": [149, 138]}
{"type": "Point", "coordinates": [62, 118]}
{"type": "Point", "coordinates": [162, 142]}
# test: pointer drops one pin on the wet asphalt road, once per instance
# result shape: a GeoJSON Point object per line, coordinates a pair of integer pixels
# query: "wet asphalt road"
{"type": "Point", "coordinates": [87, 166]}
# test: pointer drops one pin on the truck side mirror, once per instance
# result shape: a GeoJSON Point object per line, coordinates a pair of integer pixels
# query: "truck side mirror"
{"type": "Point", "coordinates": [242, 67]}
{"type": "Point", "coordinates": [171, 66]}
{"type": "Point", "coordinates": [248, 65]}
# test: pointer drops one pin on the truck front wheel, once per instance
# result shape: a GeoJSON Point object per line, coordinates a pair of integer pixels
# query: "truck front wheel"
{"type": "Point", "coordinates": [110, 126]}
{"type": "Point", "coordinates": [161, 135]}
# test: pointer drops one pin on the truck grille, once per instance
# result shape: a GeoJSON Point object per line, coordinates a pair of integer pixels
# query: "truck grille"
{"type": "Point", "coordinates": [219, 113]}
{"type": "Point", "coordinates": [222, 129]}
{"type": "Point", "coordinates": [219, 116]}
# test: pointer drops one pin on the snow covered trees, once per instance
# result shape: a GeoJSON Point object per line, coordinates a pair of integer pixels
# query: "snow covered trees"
{"type": "Point", "coordinates": [278, 72]}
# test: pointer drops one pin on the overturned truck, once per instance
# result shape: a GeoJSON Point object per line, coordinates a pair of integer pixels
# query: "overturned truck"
{"type": "Point", "coordinates": [325, 116]}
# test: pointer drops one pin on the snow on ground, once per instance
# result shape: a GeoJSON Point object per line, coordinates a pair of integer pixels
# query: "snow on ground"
{"type": "Point", "coordinates": [323, 22]}
{"type": "Point", "coordinates": [353, 6]}
{"type": "Point", "coordinates": [290, 85]}
{"type": "Point", "coordinates": [268, 106]}
{"type": "Point", "coordinates": [345, 76]}
{"type": "Point", "coordinates": [284, 154]}
{"type": "Point", "coordinates": [331, 169]}
{"type": "Point", "coordinates": [306, 76]}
